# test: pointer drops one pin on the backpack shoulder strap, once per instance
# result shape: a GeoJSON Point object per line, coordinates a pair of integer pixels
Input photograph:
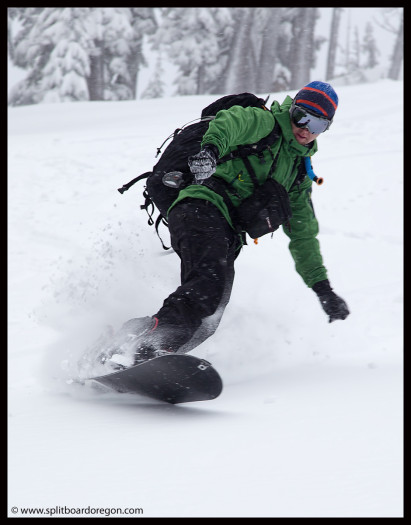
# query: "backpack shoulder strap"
{"type": "Point", "coordinates": [253, 149]}
{"type": "Point", "coordinates": [243, 152]}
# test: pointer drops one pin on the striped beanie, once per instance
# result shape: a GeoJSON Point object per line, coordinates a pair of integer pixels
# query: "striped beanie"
{"type": "Point", "coordinates": [319, 97]}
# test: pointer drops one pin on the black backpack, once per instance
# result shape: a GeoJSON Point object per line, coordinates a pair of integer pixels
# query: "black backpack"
{"type": "Point", "coordinates": [186, 141]}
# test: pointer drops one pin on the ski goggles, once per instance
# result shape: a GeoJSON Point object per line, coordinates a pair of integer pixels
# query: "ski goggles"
{"type": "Point", "coordinates": [303, 118]}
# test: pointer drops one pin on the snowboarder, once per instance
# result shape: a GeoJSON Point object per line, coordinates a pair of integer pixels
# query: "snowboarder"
{"type": "Point", "coordinates": [205, 232]}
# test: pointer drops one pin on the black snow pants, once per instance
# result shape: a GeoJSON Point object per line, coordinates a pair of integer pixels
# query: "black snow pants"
{"type": "Point", "coordinates": [207, 247]}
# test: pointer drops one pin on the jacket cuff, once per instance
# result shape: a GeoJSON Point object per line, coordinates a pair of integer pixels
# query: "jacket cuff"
{"type": "Point", "coordinates": [213, 149]}
{"type": "Point", "coordinates": [322, 287]}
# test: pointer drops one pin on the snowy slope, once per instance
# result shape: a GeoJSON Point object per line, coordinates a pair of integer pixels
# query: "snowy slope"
{"type": "Point", "coordinates": [310, 419]}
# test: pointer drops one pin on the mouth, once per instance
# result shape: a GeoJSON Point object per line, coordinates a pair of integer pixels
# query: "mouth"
{"type": "Point", "coordinates": [301, 136]}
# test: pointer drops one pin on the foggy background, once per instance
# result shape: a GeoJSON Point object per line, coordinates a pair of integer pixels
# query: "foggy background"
{"type": "Point", "coordinates": [68, 54]}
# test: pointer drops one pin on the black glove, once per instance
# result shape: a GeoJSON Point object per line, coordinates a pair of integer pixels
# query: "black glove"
{"type": "Point", "coordinates": [332, 305]}
{"type": "Point", "coordinates": [204, 164]}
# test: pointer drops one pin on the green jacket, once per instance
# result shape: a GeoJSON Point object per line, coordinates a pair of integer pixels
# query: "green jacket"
{"type": "Point", "coordinates": [237, 126]}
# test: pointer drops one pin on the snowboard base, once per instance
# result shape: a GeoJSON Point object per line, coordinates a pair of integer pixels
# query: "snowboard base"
{"type": "Point", "coordinates": [174, 378]}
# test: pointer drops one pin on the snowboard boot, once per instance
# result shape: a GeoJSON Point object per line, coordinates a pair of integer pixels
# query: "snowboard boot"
{"type": "Point", "coordinates": [133, 344]}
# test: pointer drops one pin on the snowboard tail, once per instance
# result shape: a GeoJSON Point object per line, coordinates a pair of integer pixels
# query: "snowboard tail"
{"type": "Point", "coordinates": [174, 378]}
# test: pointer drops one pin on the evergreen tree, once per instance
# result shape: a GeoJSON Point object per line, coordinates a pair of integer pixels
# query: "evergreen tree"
{"type": "Point", "coordinates": [155, 88]}
{"type": "Point", "coordinates": [355, 48]}
{"type": "Point", "coordinates": [333, 42]}
{"type": "Point", "coordinates": [28, 54]}
{"type": "Point", "coordinates": [13, 14]}
{"type": "Point", "coordinates": [224, 30]}
{"type": "Point", "coordinates": [53, 46]}
{"type": "Point", "coordinates": [302, 48]}
{"type": "Point", "coordinates": [112, 35]}
{"type": "Point", "coordinates": [369, 47]}
{"type": "Point", "coordinates": [79, 53]}
{"type": "Point", "coordinates": [143, 22]}
{"type": "Point", "coordinates": [398, 52]}
{"type": "Point", "coordinates": [392, 20]}
{"type": "Point", "coordinates": [269, 32]}
{"type": "Point", "coordinates": [123, 30]}
{"type": "Point", "coordinates": [65, 72]}
{"type": "Point", "coordinates": [189, 38]}
{"type": "Point", "coordinates": [241, 67]}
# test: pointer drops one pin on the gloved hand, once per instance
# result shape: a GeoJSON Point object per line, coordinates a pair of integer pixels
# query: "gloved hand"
{"type": "Point", "coordinates": [333, 305]}
{"type": "Point", "coordinates": [204, 164]}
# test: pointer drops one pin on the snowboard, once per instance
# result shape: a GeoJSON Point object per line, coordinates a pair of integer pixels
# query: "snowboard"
{"type": "Point", "coordinates": [174, 378]}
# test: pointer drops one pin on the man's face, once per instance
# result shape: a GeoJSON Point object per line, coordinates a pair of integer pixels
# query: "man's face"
{"type": "Point", "coordinates": [302, 135]}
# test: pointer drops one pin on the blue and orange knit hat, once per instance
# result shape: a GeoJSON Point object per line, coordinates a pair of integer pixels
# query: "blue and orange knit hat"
{"type": "Point", "coordinates": [319, 97]}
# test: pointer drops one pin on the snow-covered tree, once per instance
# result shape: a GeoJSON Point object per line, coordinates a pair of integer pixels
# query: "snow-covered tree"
{"type": "Point", "coordinates": [189, 37]}
{"type": "Point", "coordinates": [155, 88]}
{"type": "Point", "coordinates": [391, 19]}
{"type": "Point", "coordinates": [355, 52]}
{"type": "Point", "coordinates": [369, 47]}
{"type": "Point", "coordinates": [302, 45]}
{"type": "Point", "coordinates": [221, 50]}
{"type": "Point", "coordinates": [53, 46]}
{"type": "Point", "coordinates": [111, 31]}
{"type": "Point", "coordinates": [75, 53]}
{"type": "Point", "coordinates": [333, 42]}
{"type": "Point", "coordinates": [240, 74]}
{"type": "Point", "coordinates": [144, 22]}
{"type": "Point", "coordinates": [296, 47]}
{"type": "Point", "coordinates": [269, 29]}
{"type": "Point", "coordinates": [27, 54]}
{"type": "Point", "coordinates": [65, 72]}
{"type": "Point", "coordinates": [224, 31]}
{"type": "Point", "coordinates": [398, 52]}
{"type": "Point", "coordinates": [123, 33]}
